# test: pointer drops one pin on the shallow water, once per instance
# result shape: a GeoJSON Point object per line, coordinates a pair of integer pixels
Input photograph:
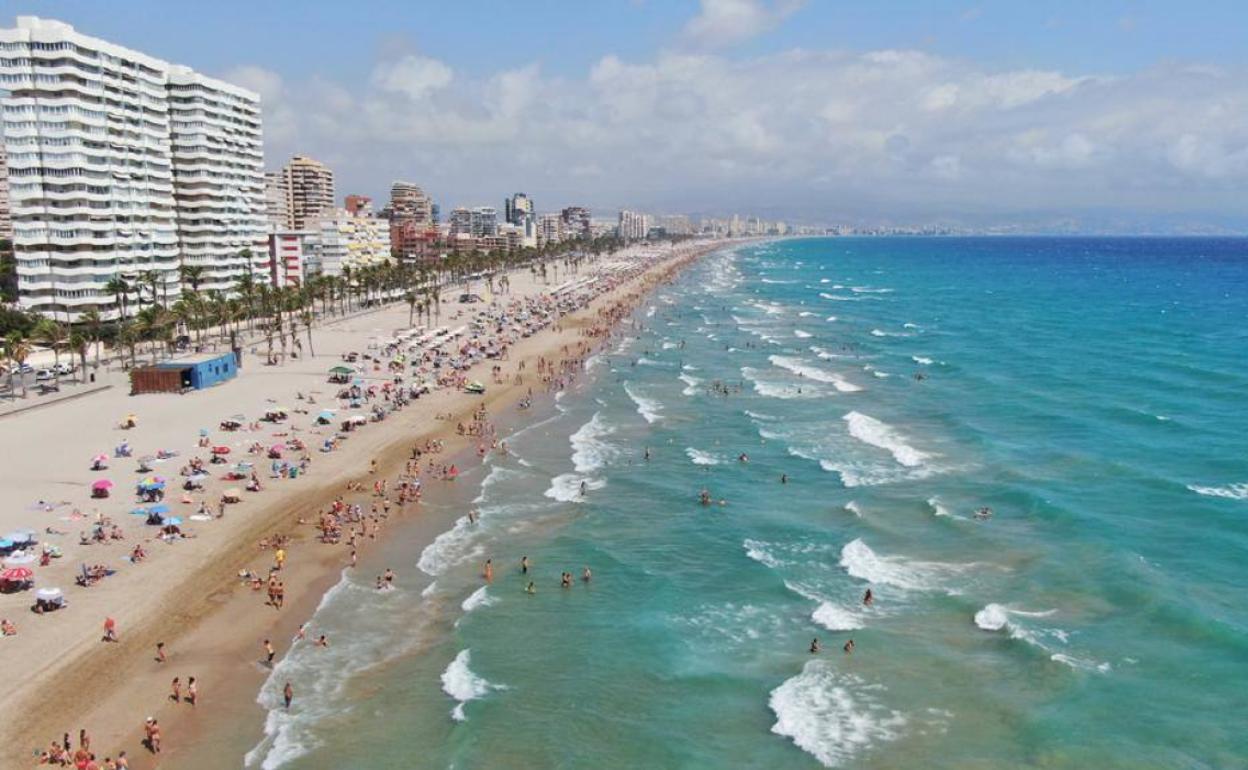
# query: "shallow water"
{"type": "Point", "coordinates": [1090, 392]}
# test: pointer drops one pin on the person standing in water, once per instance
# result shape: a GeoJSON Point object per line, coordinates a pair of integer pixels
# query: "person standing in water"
{"type": "Point", "coordinates": [868, 598]}
{"type": "Point", "coordinates": [586, 575]}
{"type": "Point", "coordinates": [288, 694]}
{"type": "Point", "coordinates": [524, 565]}
{"type": "Point", "coordinates": [815, 646]}
{"type": "Point", "coordinates": [849, 647]}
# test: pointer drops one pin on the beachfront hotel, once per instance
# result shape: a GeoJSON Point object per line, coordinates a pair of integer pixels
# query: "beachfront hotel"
{"type": "Point", "coordinates": [125, 166]}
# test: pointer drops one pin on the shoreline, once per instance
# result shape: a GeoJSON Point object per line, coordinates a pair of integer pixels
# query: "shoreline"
{"type": "Point", "coordinates": [209, 620]}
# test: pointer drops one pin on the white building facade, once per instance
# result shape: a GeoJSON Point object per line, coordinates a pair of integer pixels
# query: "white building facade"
{"type": "Point", "coordinates": [123, 166]}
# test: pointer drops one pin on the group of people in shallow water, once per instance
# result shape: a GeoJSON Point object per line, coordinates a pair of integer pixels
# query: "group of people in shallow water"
{"type": "Point", "coordinates": [816, 647]}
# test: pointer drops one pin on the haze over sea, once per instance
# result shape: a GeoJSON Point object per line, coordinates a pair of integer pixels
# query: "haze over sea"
{"type": "Point", "coordinates": [1091, 392]}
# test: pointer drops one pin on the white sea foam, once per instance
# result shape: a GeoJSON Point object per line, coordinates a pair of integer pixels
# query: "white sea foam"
{"type": "Point", "coordinates": [831, 715]}
{"type": "Point", "coordinates": [922, 360]}
{"type": "Point", "coordinates": [908, 325]}
{"type": "Point", "coordinates": [861, 562]}
{"type": "Point", "coordinates": [1230, 491]}
{"type": "Point", "coordinates": [852, 507]}
{"type": "Point", "coordinates": [430, 590]}
{"type": "Point", "coordinates": [882, 333]}
{"type": "Point", "coordinates": [798, 367]}
{"type": "Point", "coordinates": [801, 334]}
{"type": "Point", "coordinates": [770, 389]}
{"type": "Point", "coordinates": [940, 509]}
{"type": "Point", "coordinates": [868, 290]}
{"type": "Point", "coordinates": [835, 618]}
{"type": "Point", "coordinates": [450, 548]}
{"type": "Point", "coordinates": [459, 682]}
{"type": "Point", "coordinates": [648, 408]}
{"type": "Point", "coordinates": [758, 551]}
{"type": "Point", "coordinates": [590, 451]}
{"type": "Point", "coordinates": [871, 431]}
{"type": "Point", "coordinates": [691, 385]}
{"type": "Point", "coordinates": [1081, 664]}
{"type": "Point", "coordinates": [839, 298]}
{"type": "Point", "coordinates": [807, 314]}
{"type": "Point", "coordinates": [479, 598]}
{"type": "Point", "coordinates": [566, 487]}
{"type": "Point", "coordinates": [830, 319]}
{"type": "Point", "coordinates": [701, 458]}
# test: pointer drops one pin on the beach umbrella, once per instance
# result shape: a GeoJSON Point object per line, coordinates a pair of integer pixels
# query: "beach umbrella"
{"type": "Point", "coordinates": [20, 560]}
{"type": "Point", "coordinates": [174, 520]}
{"type": "Point", "coordinates": [100, 458]}
{"type": "Point", "coordinates": [17, 574]}
{"type": "Point", "coordinates": [232, 492]}
{"type": "Point", "coordinates": [139, 512]}
{"type": "Point", "coordinates": [154, 480]}
{"type": "Point", "coordinates": [158, 508]}
{"type": "Point", "coordinates": [19, 536]}
{"type": "Point", "coordinates": [5, 543]}
{"type": "Point", "coordinates": [203, 431]}
{"type": "Point", "coordinates": [279, 448]}
{"type": "Point", "coordinates": [49, 594]}
{"type": "Point", "coordinates": [220, 450]}
{"type": "Point", "coordinates": [102, 484]}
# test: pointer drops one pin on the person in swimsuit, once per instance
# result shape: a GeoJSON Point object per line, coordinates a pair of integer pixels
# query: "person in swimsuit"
{"type": "Point", "coordinates": [849, 647]}
{"type": "Point", "coordinates": [868, 598]}
{"type": "Point", "coordinates": [288, 694]}
{"type": "Point", "coordinates": [524, 565]}
{"type": "Point", "coordinates": [815, 647]}
{"type": "Point", "coordinates": [269, 652]}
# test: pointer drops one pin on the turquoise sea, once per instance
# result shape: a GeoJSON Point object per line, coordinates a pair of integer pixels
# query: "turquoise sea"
{"type": "Point", "coordinates": [1093, 393]}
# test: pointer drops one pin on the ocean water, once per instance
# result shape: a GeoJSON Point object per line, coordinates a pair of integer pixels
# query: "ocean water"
{"type": "Point", "coordinates": [1091, 392]}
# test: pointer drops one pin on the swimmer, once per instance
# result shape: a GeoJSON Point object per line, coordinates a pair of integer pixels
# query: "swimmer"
{"type": "Point", "coordinates": [531, 588]}
{"type": "Point", "coordinates": [524, 565]}
{"type": "Point", "coordinates": [868, 598]}
{"type": "Point", "coordinates": [565, 579]}
{"type": "Point", "coordinates": [849, 647]}
{"type": "Point", "coordinates": [586, 575]}
{"type": "Point", "coordinates": [815, 646]}
{"type": "Point", "coordinates": [488, 573]}
{"type": "Point", "coordinates": [743, 458]}
{"type": "Point", "coordinates": [584, 488]}
{"type": "Point", "coordinates": [322, 641]}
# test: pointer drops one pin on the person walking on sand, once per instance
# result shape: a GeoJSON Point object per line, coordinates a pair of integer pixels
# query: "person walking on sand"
{"type": "Point", "coordinates": [288, 694]}
{"type": "Point", "coordinates": [160, 652]}
{"type": "Point", "coordinates": [269, 652]}
{"type": "Point", "coordinates": [123, 761]}
{"type": "Point", "coordinates": [176, 687]}
{"type": "Point", "coordinates": [110, 630]}
{"type": "Point", "coordinates": [192, 691]}
{"type": "Point", "coordinates": [152, 731]}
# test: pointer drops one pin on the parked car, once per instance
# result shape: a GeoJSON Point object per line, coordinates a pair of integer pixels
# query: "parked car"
{"type": "Point", "coordinates": [25, 369]}
{"type": "Point", "coordinates": [64, 369]}
{"type": "Point", "coordinates": [43, 375]}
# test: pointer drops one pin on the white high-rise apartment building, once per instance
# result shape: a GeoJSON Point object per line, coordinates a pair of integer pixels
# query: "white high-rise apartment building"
{"type": "Point", "coordinates": [123, 166]}
{"type": "Point", "coordinates": [218, 177]}
{"type": "Point", "coordinates": [633, 226]}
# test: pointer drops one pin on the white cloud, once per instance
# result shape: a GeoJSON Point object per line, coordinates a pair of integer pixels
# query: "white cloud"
{"type": "Point", "coordinates": [724, 22]}
{"type": "Point", "coordinates": [820, 132]}
{"type": "Point", "coordinates": [413, 76]}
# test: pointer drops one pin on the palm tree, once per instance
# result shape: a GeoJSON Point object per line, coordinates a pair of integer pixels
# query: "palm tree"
{"type": "Point", "coordinates": [192, 274]}
{"type": "Point", "coordinates": [18, 349]}
{"type": "Point", "coordinates": [93, 321]}
{"type": "Point", "coordinates": [51, 333]}
{"type": "Point", "coordinates": [78, 344]}
{"type": "Point", "coordinates": [128, 335]}
{"type": "Point", "coordinates": [119, 290]}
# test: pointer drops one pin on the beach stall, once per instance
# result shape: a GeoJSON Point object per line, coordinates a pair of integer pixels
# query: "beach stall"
{"type": "Point", "coordinates": [341, 375]}
{"type": "Point", "coordinates": [182, 374]}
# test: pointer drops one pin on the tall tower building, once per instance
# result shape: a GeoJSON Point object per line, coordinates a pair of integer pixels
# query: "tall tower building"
{"type": "Point", "coordinates": [517, 209]}
{"type": "Point", "coordinates": [6, 218]}
{"type": "Point", "coordinates": [309, 187]}
{"type": "Point", "coordinates": [123, 166]}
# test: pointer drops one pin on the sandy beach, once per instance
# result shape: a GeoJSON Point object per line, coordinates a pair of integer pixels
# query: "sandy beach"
{"type": "Point", "coordinates": [186, 592]}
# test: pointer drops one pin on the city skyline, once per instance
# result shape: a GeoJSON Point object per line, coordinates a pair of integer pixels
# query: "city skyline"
{"type": "Point", "coordinates": [1088, 120]}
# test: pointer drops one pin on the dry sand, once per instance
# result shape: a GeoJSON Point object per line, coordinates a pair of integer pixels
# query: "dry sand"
{"type": "Point", "coordinates": [187, 594]}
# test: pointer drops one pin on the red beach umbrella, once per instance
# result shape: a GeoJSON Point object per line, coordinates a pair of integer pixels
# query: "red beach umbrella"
{"type": "Point", "coordinates": [17, 574]}
{"type": "Point", "coordinates": [220, 450]}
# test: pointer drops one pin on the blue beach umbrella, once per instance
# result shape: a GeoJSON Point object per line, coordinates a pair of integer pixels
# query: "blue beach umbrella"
{"type": "Point", "coordinates": [173, 520]}
{"type": "Point", "coordinates": [139, 512]}
{"type": "Point", "coordinates": [6, 543]}
{"type": "Point", "coordinates": [158, 508]}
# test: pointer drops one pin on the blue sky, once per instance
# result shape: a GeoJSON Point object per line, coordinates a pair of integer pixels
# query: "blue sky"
{"type": "Point", "coordinates": [975, 112]}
